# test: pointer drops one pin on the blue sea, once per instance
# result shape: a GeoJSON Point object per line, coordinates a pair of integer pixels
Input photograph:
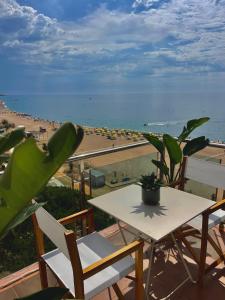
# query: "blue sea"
{"type": "Point", "coordinates": [155, 112]}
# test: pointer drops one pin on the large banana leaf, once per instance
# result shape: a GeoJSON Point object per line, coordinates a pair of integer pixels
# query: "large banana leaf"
{"type": "Point", "coordinates": [11, 139]}
{"type": "Point", "coordinates": [195, 145]}
{"type": "Point", "coordinates": [29, 169]}
{"type": "Point", "coordinates": [24, 214]}
{"type": "Point", "coordinates": [173, 148]}
{"type": "Point", "coordinates": [175, 153]}
{"type": "Point", "coordinates": [155, 141]}
{"type": "Point", "coordinates": [191, 125]}
{"type": "Point", "coordinates": [161, 166]}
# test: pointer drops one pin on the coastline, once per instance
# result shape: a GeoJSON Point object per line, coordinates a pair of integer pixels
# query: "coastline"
{"type": "Point", "coordinates": [94, 138]}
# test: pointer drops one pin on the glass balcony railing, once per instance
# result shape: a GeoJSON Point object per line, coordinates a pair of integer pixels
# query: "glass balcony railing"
{"type": "Point", "coordinates": [106, 172]}
{"type": "Point", "coordinates": [217, 156]}
{"type": "Point", "coordinates": [103, 173]}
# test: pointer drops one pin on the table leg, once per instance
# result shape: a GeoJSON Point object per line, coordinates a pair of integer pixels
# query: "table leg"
{"type": "Point", "coordinates": [182, 259]}
{"type": "Point", "coordinates": [122, 233]}
{"type": "Point", "coordinates": [151, 257]}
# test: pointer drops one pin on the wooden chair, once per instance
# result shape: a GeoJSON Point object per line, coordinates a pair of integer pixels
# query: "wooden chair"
{"type": "Point", "coordinates": [88, 265]}
{"type": "Point", "coordinates": [214, 175]}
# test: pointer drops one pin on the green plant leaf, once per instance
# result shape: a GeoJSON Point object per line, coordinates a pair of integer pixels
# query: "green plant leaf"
{"type": "Point", "coordinates": [11, 139]}
{"type": "Point", "coordinates": [163, 168]}
{"type": "Point", "coordinates": [52, 293]}
{"type": "Point", "coordinates": [173, 149]}
{"type": "Point", "coordinates": [4, 158]}
{"type": "Point", "coordinates": [191, 125]}
{"type": "Point", "coordinates": [195, 145]}
{"type": "Point", "coordinates": [155, 141]}
{"type": "Point", "coordinates": [55, 143]}
{"type": "Point", "coordinates": [29, 169]}
{"type": "Point", "coordinates": [23, 215]}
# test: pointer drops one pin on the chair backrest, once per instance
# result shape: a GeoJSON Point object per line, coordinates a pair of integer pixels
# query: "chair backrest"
{"type": "Point", "coordinates": [205, 172]}
{"type": "Point", "coordinates": [53, 229]}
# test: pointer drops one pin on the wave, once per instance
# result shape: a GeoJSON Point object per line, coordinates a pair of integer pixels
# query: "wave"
{"type": "Point", "coordinates": [167, 123]}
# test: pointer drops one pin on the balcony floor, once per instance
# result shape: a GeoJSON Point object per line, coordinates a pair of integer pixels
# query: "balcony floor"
{"type": "Point", "coordinates": [167, 273]}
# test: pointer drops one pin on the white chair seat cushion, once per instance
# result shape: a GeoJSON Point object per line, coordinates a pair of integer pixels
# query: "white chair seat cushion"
{"type": "Point", "coordinates": [91, 248]}
{"type": "Point", "coordinates": [214, 219]}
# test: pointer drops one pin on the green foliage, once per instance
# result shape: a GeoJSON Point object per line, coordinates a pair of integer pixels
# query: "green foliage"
{"type": "Point", "coordinates": [8, 141]}
{"type": "Point", "coordinates": [24, 214]}
{"type": "Point", "coordinates": [161, 166]}
{"type": "Point", "coordinates": [195, 145]}
{"type": "Point", "coordinates": [11, 139]}
{"type": "Point", "coordinates": [174, 149]}
{"type": "Point", "coordinates": [60, 201]}
{"type": "Point", "coordinates": [191, 125]}
{"type": "Point", "coordinates": [17, 250]}
{"type": "Point", "coordinates": [5, 124]}
{"type": "Point", "coordinates": [155, 141]}
{"type": "Point", "coordinates": [28, 171]}
{"type": "Point", "coordinates": [150, 182]}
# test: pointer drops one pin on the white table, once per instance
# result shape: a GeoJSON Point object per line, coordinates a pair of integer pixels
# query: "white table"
{"type": "Point", "coordinates": [175, 209]}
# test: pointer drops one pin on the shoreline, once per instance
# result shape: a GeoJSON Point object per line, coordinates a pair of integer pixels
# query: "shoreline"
{"type": "Point", "coordinates": [86, 127]}
{"type": "Point", "coordinates": [94, 138]}
{"type": "Point", "coordinates": [145, 128]}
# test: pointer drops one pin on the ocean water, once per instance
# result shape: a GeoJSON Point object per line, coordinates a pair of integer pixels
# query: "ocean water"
{"type": "Point", "coordinates": [155, 112]}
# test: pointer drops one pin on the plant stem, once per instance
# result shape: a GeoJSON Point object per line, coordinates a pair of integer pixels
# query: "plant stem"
{"type": "Point", "coordinates": [164, 161]}
{"type": "Point", "coordinates": [178, 171]}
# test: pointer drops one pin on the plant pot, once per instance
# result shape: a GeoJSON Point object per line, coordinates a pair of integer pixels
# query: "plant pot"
{"type": "Point", "coordinates": [150, 197]}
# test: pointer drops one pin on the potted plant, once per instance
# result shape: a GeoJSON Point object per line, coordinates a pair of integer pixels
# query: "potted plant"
{"type": "Point", "coordinates": [170, 168]}
{"type": "Point", "coordinates": [150, 189]}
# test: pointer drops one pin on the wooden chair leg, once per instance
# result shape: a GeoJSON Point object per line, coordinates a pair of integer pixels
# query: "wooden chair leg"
{"type": "Point", "coordinates": [118, 291]}
{"type": "Point", "coordinates": [139, 289]}
{"type": "Point", "coordinates": [109, 292]}
{"type": "Point", "coordinates": [216, 247]}
{"type": "Point", "coordinates": [43, 273]}
{"type": "Point", "coordinates": [215, 263]}
{"type": "Point", "coordinates": [203, 251]}
{"type": "Point", "coordinates": [221, 227]}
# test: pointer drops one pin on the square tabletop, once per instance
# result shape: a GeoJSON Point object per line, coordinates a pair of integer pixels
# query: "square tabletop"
{"type": "Point", "coordinates": [175, 209]}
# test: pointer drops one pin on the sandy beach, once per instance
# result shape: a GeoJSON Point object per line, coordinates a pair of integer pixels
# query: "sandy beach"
{"type": "Point", "coordinates": [93, 139]}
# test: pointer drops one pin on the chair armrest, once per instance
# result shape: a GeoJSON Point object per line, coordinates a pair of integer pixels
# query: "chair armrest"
{"type": "Point", "coordinates": [216, 206]}
{"type": "Point", "coordinates": [112, 258]}
{"type": "Point", "coordinates": [84, 214]}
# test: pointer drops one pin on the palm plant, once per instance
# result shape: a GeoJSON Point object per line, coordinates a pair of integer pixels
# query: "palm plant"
{"type": "Point", "coordinates": [28, 171]}
{"type": "Point", "coordinates": [177, 148]}
{"type": "Point", "coordinates": [8, 141]}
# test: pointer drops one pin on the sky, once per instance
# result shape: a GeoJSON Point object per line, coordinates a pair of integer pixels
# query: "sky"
{"type": "Point", "coordinates": [125, 46]}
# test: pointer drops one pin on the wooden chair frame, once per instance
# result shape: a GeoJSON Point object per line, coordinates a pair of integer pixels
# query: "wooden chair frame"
{"type": "Point", "coordinates": [205, 237]}
{"type": "Point", "coordinates": [82, 274]}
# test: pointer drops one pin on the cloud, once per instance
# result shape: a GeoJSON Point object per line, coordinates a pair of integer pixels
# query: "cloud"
{"type": "Point", "coordinates": [145, 3]}
{"type": "Point", "coordinates": [177, 36]}
{"type": "Point", "coordinates": [24, 21]}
